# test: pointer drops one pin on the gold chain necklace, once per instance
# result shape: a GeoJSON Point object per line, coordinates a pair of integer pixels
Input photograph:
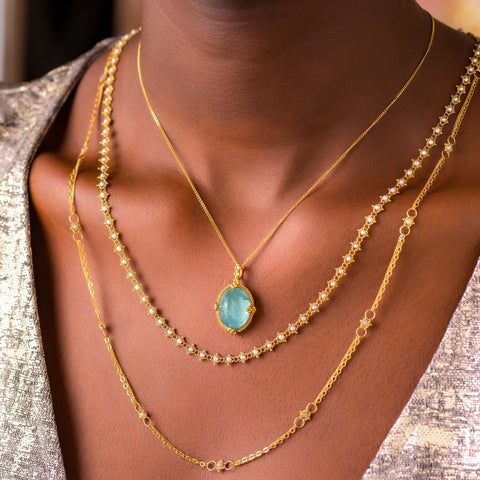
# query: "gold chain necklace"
{"type": "Point", "coordinates": [323, 296]}
{"type": "Point", "coordinates": [365, 322]}
{"type": "Point", "coordinates": [235, 304]}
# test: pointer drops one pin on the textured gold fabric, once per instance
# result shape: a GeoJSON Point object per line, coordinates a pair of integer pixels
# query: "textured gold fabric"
{"type": "Point", "coordinates": [437, 436]}
{"type": "Point", "coordinates": [29, 447]}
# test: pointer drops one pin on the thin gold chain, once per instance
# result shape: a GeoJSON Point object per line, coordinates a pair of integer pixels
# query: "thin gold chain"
{"type": "Point", "coordinates": [309, 191]}
{"type": "Point", "coordinates": [331, 285]}
{"type": "Point", "coordinates": [360, 333]}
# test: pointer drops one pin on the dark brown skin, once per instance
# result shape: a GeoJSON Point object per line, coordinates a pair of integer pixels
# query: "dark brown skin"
{"type": "Point", "coordinates": [259, 98]}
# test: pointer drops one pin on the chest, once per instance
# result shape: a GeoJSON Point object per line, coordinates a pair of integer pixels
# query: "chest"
{"type": "Point", "coordinates": [229, 412]}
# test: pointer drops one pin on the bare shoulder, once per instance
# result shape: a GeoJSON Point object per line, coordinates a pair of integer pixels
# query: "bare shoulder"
{"type": "Point", "coordinates": [60, 147]}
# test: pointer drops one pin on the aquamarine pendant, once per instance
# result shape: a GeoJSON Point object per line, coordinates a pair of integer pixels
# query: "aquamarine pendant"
{"type": "Point", "coordinates": [235, 306]}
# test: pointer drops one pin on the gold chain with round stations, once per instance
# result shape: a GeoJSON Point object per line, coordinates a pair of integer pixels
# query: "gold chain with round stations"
{"type": "Point", "coordinates": [331, 285]}
{"type": "Point", "coordinates": [235, 305]}
{"type": "Point", "coordinates": [361, 331]}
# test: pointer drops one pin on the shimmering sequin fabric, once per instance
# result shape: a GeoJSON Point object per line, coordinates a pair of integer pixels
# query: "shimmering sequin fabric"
{"type": "Point", "coordinates": [437, 436]}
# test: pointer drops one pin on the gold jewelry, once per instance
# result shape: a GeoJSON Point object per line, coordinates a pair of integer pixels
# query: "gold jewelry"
{"type": "Point", "coordinates": [235, 304]}
{"type": "Point", "coordinates": [323, 296]}
{"type": "Point", "coordinates": [365, 323]}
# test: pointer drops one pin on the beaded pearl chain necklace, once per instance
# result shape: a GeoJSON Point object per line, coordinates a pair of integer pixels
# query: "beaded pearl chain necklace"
{"type": "Point", "coordinates": [408, 222]}
{"type": "Point", "coordinates": [332, 284]}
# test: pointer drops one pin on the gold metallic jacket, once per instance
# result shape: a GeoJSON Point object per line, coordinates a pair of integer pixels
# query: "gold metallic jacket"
{"type": "Point", "coordinates": [437, 435]}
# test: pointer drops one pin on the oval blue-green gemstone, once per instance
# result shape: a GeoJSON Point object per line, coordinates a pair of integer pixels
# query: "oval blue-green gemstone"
{"type": "Point", "coordinates": [232, 308]}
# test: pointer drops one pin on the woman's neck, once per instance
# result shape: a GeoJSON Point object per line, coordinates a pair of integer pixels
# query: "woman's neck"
{"type": "Point", "coordinates": [274, 89]}
{"type": "Point", "coordinates": [263, 71]}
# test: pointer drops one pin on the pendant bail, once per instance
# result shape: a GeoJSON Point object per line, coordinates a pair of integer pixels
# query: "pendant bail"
{"type": "Point", "coordinates": [237, 276]}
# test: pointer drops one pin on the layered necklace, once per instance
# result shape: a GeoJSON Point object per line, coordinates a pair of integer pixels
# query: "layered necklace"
{"type": "Point", "coordinates": [466, 86]}
{"type": "Point", "coordinates": [231, 292]}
